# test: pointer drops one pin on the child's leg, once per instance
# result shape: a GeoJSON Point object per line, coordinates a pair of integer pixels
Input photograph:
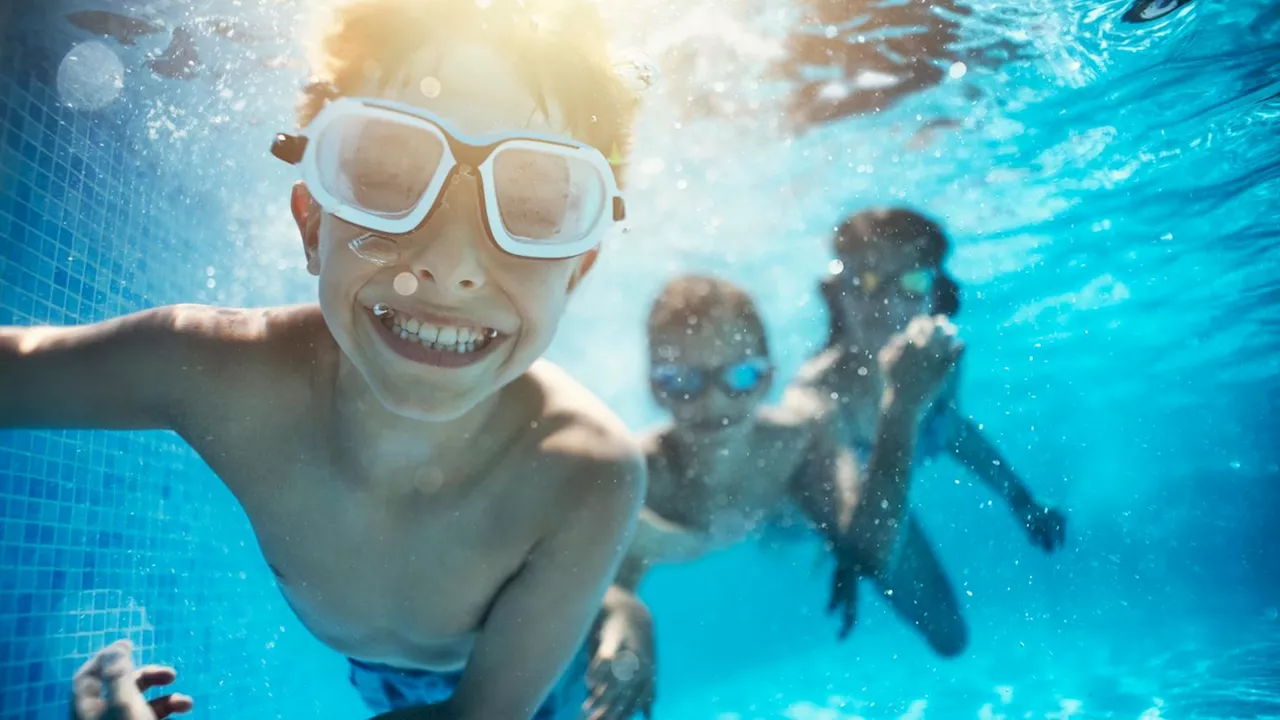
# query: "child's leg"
{"type": "Point", "coordinates": [920, 593]}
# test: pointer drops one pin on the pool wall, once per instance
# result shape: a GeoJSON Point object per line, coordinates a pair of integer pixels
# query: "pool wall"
{"type": "Point", "coordinates": [106, 535]}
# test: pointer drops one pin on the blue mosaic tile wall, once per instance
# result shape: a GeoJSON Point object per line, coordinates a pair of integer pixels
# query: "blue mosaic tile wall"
{"type": "Point", "coordinates": [104, 535]}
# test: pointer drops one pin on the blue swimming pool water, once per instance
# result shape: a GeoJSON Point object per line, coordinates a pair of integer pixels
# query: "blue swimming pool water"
{"type": "Point", "coordinates": [1113, 191]}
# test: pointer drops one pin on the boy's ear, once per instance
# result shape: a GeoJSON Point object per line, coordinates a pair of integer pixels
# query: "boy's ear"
{"type": "Point", "coordinates": [306, 213]}
{"type": "Point", "coordinates": [584, 267]}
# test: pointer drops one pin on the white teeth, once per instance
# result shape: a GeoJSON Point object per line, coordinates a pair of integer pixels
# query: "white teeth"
{"type": "Point", "coordinates": [434, 337]}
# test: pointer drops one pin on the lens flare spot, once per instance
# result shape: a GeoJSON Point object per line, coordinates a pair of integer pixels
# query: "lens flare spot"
{"type": "Point", "coordinates": [625, 665]}
{"type": "Point", "coordinates": [405, 283]}
{"type": "Point", "coordinates": [90, 76]}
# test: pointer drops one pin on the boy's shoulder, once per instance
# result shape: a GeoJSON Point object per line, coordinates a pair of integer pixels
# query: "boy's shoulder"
{"type": "Point", "coordinates": [574, 428]}
{"type": "Point", "coordinates": [246, 335]}
{"type": "Point", "coordinates": [250, 358]}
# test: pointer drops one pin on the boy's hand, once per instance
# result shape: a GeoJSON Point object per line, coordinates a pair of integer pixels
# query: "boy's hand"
{"type": "Point", "coordinates": [107, 687]}
{"type": "Point", "coordinates": [1046, 526]}
{"type": "Point", "coordinates": [916, 361]}
{"type": "Point", "coordinates": [621, 679]}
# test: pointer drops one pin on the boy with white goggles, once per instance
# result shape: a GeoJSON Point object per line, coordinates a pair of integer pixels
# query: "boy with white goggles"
{"type": "Point", "coordinates": [384, 165]}
{"type": "Point", "coordinates": [438, 503]}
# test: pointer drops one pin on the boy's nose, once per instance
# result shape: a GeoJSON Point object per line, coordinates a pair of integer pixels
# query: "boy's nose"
{"type": "Point", "coordinates": [449, 255]}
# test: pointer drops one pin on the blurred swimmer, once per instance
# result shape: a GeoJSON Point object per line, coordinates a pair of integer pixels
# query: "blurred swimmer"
{"type": "Point", "coordinates": [890, 274]}
{"type": "Point", "coordinates": [726, 464]}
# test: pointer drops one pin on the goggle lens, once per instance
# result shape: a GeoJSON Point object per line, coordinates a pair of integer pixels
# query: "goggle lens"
{"type": "Point", "coordinates": [378, 163]}
{"type": "Point", "coordinates": [675, 379]}
{"type": "Point", "coordinates": [545, 196]}
{"type": "Point", "coordinates": [744, 377]}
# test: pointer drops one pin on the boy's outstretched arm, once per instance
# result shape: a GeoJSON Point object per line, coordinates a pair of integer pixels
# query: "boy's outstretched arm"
{"type": "Point", "coordinates": [139, 371]}
{"type": "Point", "coordinates": [540, 618]}
{"type": "Point", "coordinates": [970, 446]}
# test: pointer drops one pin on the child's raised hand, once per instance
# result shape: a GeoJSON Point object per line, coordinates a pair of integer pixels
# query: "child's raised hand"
{"type": "Point", "coordinates": [916, 361]}
{"type": "Point", "coordinates": [1046, 527]}
{"type": "Point", "coordinates": [107, 687]}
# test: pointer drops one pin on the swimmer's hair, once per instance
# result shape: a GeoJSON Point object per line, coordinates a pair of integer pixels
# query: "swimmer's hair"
{"type": "Point", "coordinates": [557, 47]}
{"type": "Point", "coordinates": [691, 300]}
{"type": "Point", "coordinates": [894, 225]}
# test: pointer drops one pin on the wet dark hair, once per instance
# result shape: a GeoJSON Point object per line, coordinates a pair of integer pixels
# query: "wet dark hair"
{"type": "Point", "coordinates": [693, 299]}
{"type": "Point", "coordinates": [891, 225]}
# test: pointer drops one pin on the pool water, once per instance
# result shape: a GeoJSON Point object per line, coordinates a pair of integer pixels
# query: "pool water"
{"type": "Point", "coordinates": [1113, 189]}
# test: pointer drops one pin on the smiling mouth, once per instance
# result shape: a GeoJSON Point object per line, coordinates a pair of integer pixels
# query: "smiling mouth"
{"type": "Point", "coordinates": [433, 343]}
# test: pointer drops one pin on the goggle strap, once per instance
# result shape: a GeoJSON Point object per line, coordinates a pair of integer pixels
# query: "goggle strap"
{"type": "Point", "coordinates": [289, 148]}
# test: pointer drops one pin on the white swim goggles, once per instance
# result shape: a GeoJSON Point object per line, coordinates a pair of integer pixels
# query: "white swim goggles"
{"type": "Point", "coordinates": [384, 166]}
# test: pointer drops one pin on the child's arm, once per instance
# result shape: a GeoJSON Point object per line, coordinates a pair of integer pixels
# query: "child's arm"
{"type": "Point", "coordinates": [140, 371]}
{"type": "Point", "coordinates": [540, 618]}
{"type": "Point", "coordinates": [860, 522]}
{"type": "Point", "coordinates": [855, 516]}
{"type": "Point", "coordinates": [971, 447]}
{"type": "Point", "coordinates": [659, 540]}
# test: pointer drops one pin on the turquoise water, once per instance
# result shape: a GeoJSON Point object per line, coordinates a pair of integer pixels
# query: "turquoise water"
{"type": "Point", "coordinates": [1113, 190]}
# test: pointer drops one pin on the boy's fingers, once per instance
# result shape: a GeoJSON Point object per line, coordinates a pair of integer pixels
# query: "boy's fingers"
{"type": "Point", "coordinates": [623, 705]}
{"type": "Point", "coordinates": [84, 707]}
{"type": "Point", "coordinates": [88, 682]}
{"type": "Point", "coordinates": [151, 676]}
{"type": "Point", "coordinates": [174, 704]}
{"type": "Point", "coordinates": [600, 692]}
{"type": "Point", "coordinates": [598, 676]}
{"type": "Point", "coordinates": [118, 677]}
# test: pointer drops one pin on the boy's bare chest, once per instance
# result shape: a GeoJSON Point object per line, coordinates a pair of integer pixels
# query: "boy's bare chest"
{"type": "Point", "coordinates": [728, 490]}
{"type": "Point", "coordinates": [399, 565]}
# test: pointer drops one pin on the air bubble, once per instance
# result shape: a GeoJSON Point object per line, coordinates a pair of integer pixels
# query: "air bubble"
{"type": "Point", "coordinates": [430, 87]}
{"type": "Point", "coordinates": [957, 70]}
